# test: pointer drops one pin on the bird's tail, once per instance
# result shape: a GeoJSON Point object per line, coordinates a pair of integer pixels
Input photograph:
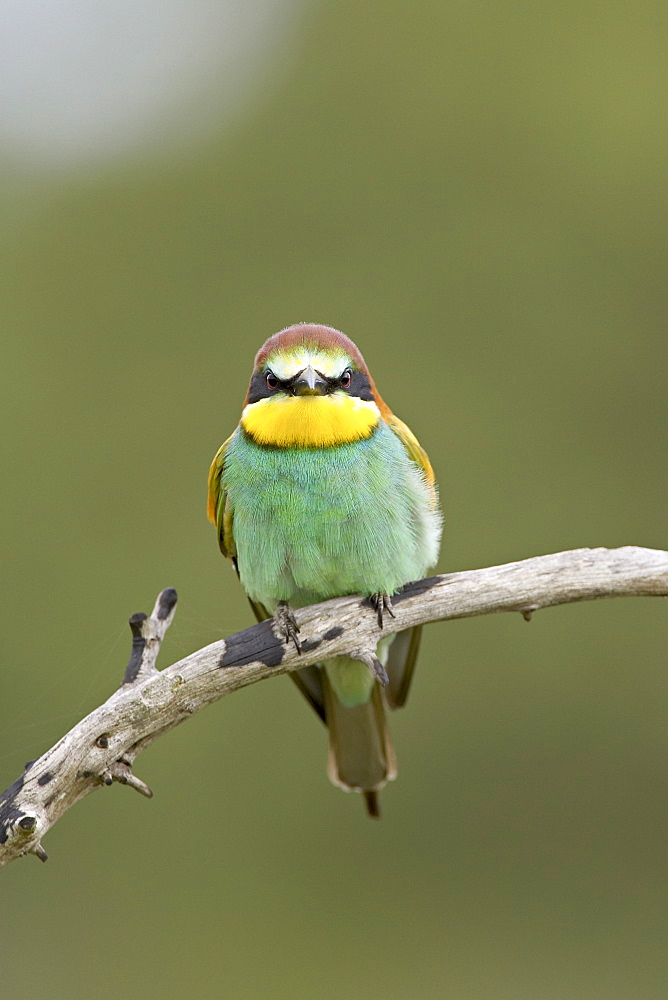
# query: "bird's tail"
{"type": "Point", "coordinates": [361, 755]}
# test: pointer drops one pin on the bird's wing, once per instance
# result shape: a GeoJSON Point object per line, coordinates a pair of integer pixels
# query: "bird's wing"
{"type": "Point", "coordinates": [415, 452]}
{"type": "Point", "coordinates": [220, 513]}
{"type": "Point", "coordinates": [400, 665]}
{"type": "Point", "coordinates": [218, 507]}
{"type": "Point", "coordinates": [403, 652]}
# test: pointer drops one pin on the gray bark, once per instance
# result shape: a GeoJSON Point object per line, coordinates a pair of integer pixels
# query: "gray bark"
{"type": "Point", "coordinates": [102, 747]}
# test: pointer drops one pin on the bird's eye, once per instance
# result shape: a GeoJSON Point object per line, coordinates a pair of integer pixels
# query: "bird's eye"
{"type": "Point", "coordinates": [272, 381]}
{"type": "Point", "coordinates": [346, 378]}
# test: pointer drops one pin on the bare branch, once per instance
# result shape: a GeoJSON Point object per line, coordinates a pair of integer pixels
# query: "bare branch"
{"type": "Point", "coordinates": [102, 747]}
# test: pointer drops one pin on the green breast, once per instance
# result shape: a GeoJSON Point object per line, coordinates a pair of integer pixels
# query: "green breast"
{"type": "Point", "coordinates": [316, 523]}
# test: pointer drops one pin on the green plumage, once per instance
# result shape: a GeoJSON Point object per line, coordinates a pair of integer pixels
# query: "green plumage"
{"type": "Point", "coordinates": [305, 521]}
{"type": "Point", "coordinates": [316, 523]}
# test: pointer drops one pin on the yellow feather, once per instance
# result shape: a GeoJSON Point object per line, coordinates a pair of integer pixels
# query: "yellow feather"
{"type": "Point", "coordinates": [415, 451]}
{"type": "Point", "coordinates": [310, 421]}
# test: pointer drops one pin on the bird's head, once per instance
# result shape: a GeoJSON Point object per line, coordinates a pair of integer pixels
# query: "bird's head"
{"type": "Point", "coordinates": [310, 388]}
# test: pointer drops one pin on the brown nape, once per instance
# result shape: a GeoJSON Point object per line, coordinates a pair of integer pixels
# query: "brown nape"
{"type": "Point", "coordinates": [372, 804]}
{"type": "Point", "coordinates": [310, 333]}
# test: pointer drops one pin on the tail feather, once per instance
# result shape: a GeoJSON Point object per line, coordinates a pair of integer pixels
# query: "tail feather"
{"type": "Point", "coordinates": [400, 665]}
{"type": "Point", "coordinates": [372, 804]}
{"type": "Point", "coordinates": [361, 755]}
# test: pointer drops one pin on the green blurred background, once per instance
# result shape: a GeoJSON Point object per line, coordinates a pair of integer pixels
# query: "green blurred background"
{"type": "Point", "coordinates": [476, 194]}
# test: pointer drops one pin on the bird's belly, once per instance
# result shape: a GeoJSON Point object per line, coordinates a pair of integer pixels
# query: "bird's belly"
{"type": "Point", "coordinates": [310, 524]}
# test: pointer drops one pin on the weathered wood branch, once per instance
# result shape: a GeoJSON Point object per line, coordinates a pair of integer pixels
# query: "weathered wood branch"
{"type": "Point", "coordinates": [102, 747]}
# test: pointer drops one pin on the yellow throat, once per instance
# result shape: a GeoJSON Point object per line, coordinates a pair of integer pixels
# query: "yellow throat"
{"type": "Point", "coordinates": [310, 421]}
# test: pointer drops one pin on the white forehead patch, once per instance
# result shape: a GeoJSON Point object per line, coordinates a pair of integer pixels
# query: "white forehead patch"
{"type": "Point", "coordinates": [288, 364]}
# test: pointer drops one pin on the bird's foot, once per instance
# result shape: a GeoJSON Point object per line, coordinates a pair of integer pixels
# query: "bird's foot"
{"type": "Point", "coordinates": [382, 603]}
{"type": "Point", "coordinates": [287, 624]}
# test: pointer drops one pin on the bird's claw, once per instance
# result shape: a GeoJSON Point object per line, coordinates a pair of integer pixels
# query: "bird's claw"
{"type": "Point", "coordinates": [287, 624]}
{"type": "Point", "coordinates": [382, 603]}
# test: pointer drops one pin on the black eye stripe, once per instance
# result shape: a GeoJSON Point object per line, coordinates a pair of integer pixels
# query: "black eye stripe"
{"type": "Point", "coordinates": [259, 389]}
{"type": "Point", "coordinates": [359, 386]}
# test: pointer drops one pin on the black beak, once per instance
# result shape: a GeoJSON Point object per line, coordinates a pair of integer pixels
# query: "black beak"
{"type": "Point", "coordinates": [309, 383]}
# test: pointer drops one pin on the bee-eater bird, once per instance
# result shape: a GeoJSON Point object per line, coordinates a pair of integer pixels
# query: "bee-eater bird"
{"type": "Point", "coordinates": [321, 492]}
